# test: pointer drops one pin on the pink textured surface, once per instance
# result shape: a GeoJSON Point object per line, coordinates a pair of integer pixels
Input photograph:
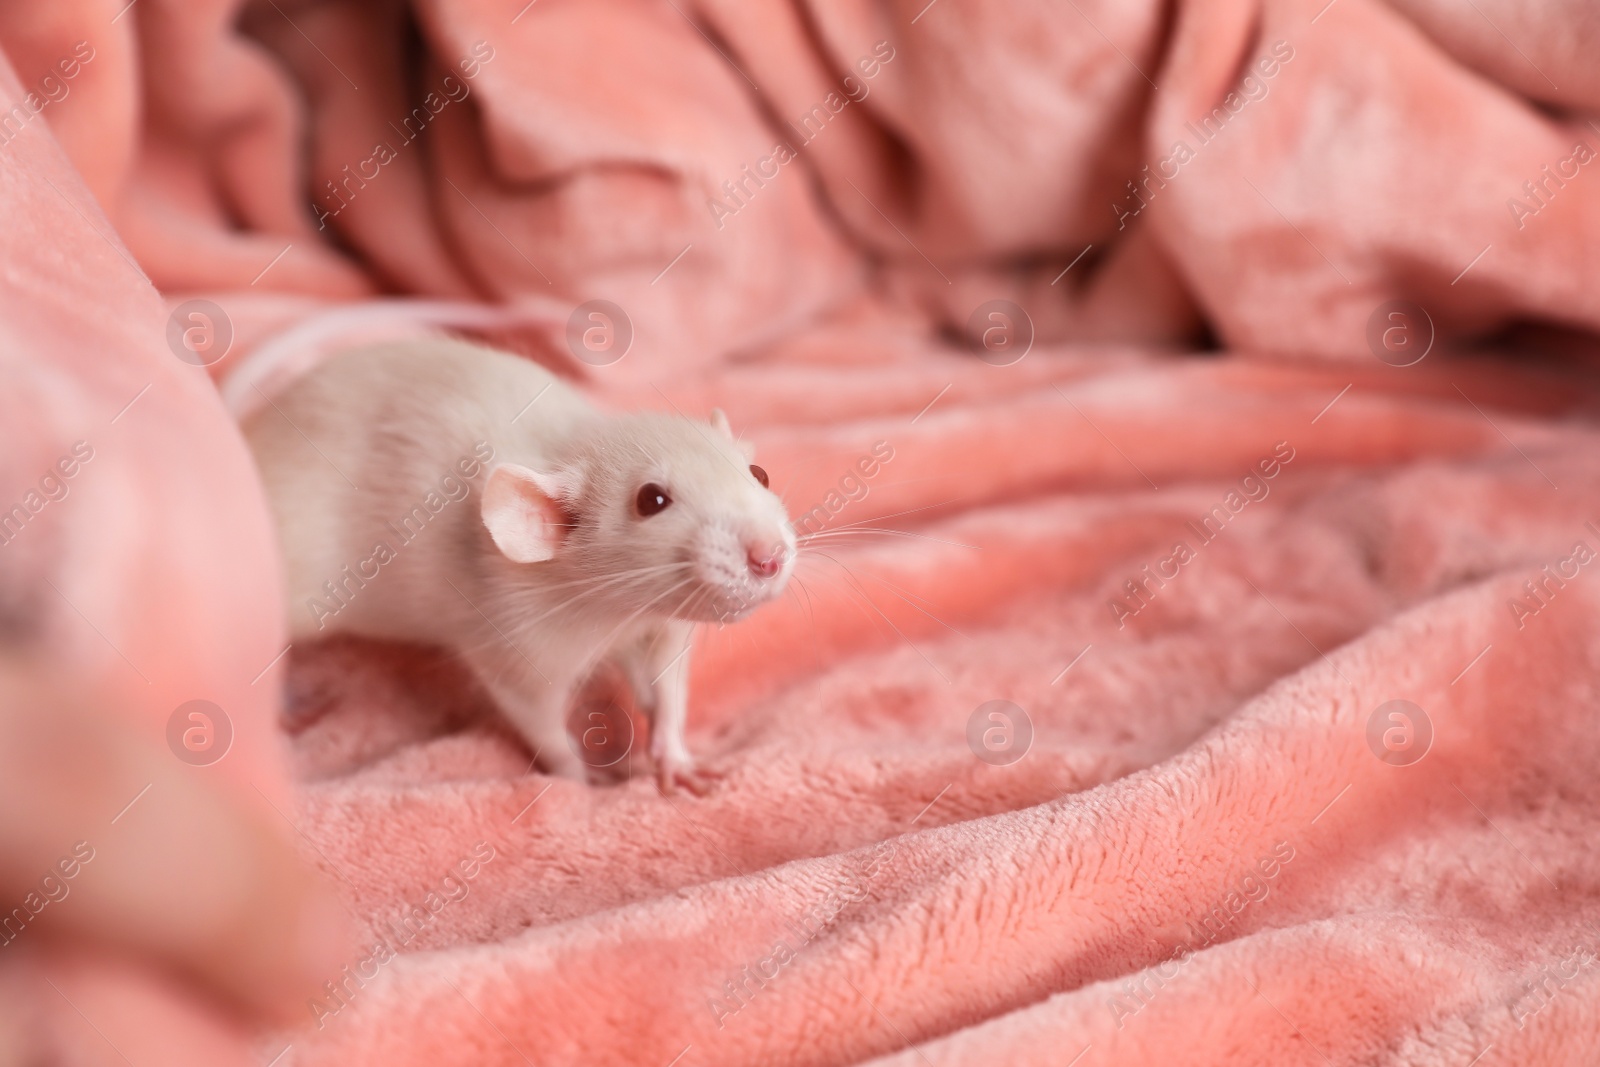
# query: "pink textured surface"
{"type": "Point", "coordinates": [1031, 913]}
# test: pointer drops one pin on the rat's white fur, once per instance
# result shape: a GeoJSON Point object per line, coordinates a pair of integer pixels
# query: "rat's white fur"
{"type": "Point", "coordinates": [367, 436]}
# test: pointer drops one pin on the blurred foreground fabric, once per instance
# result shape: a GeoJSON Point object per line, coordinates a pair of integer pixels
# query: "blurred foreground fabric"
{"type": "Point", "coordinates": [1298, 645]}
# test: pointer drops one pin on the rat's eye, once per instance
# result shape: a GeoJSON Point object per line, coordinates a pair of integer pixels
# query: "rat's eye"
{"type": "Point", "coordinates": [760, 475]}
{"type": "Point", "coordinates": [652, 500]}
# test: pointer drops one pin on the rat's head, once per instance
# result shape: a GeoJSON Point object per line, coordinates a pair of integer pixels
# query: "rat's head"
{"type": "Point", "coordinates": [658, 513]}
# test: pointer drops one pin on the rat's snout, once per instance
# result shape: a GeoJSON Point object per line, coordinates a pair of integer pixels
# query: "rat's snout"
{"type": "Point", "coordinates": [766, 559]}
{"type": "Point", "coordinates": [740, 569]}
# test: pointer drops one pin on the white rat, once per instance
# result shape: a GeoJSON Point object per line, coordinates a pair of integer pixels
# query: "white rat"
{"type": "Point", "coordinates": [441, 492]}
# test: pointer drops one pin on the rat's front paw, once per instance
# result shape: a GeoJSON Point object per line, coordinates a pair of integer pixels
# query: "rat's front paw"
{"type": "Point", "coordinates": [678, 771]}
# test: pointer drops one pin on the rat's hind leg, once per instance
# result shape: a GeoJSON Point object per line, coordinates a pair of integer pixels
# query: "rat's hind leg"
{"type": "Point", "coordinates": [536, 704]}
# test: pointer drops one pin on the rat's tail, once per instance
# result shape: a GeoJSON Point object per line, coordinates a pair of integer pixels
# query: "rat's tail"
{"type": "Point", "coordinates": [273, 364]}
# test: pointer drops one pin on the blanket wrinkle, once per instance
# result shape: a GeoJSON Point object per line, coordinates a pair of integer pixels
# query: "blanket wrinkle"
{"type": "Point", "coordinates": [915, 164]}
{"type": "Point", "coordinates": [1301, 643]}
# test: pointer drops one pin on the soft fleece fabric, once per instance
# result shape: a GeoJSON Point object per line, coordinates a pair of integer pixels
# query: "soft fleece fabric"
{"type": "Point", "coordinates": [1210, 853]}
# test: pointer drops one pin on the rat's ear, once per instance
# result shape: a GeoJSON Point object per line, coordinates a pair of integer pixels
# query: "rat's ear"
{"type": "Point", "coordinates": [719, 419]}
{"type": "Point", "coordinates": [523, 510]}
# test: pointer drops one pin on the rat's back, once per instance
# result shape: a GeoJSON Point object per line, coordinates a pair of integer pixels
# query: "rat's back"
{"type": "Point", "coordinates": [368, 462]}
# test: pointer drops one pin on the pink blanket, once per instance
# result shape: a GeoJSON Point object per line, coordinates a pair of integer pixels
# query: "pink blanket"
{"type": "Point", "coordinates": [1130, 706]}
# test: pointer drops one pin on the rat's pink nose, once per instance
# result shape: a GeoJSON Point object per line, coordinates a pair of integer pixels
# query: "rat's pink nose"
{"type": "Point", "coordinates": [766, 560]}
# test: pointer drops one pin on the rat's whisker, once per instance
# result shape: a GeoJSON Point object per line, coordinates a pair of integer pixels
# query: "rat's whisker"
{"type": "Point", "coordinates": [833, 581]}
{"type": "Point", "coordinates": [811, 614]}
{"type": "Point", "coordinates": [881, 532]}
{"type": "Point", "coordinates": [890, 621]}
{"type": "Point", "coordinates": [605, 646]}
{"type": "Point", "coordinates": [906, 595]}
{"type": "Point", "coordinates": [617, 576]}
{"type": "Point", "coordinates": [696, 599]}
{"type": "Point", "coordinates": [519, 611]}
{"type": "Point", "coordinates": [897, 514]}
{"type": "Point", "coordinates": [586, 587]}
